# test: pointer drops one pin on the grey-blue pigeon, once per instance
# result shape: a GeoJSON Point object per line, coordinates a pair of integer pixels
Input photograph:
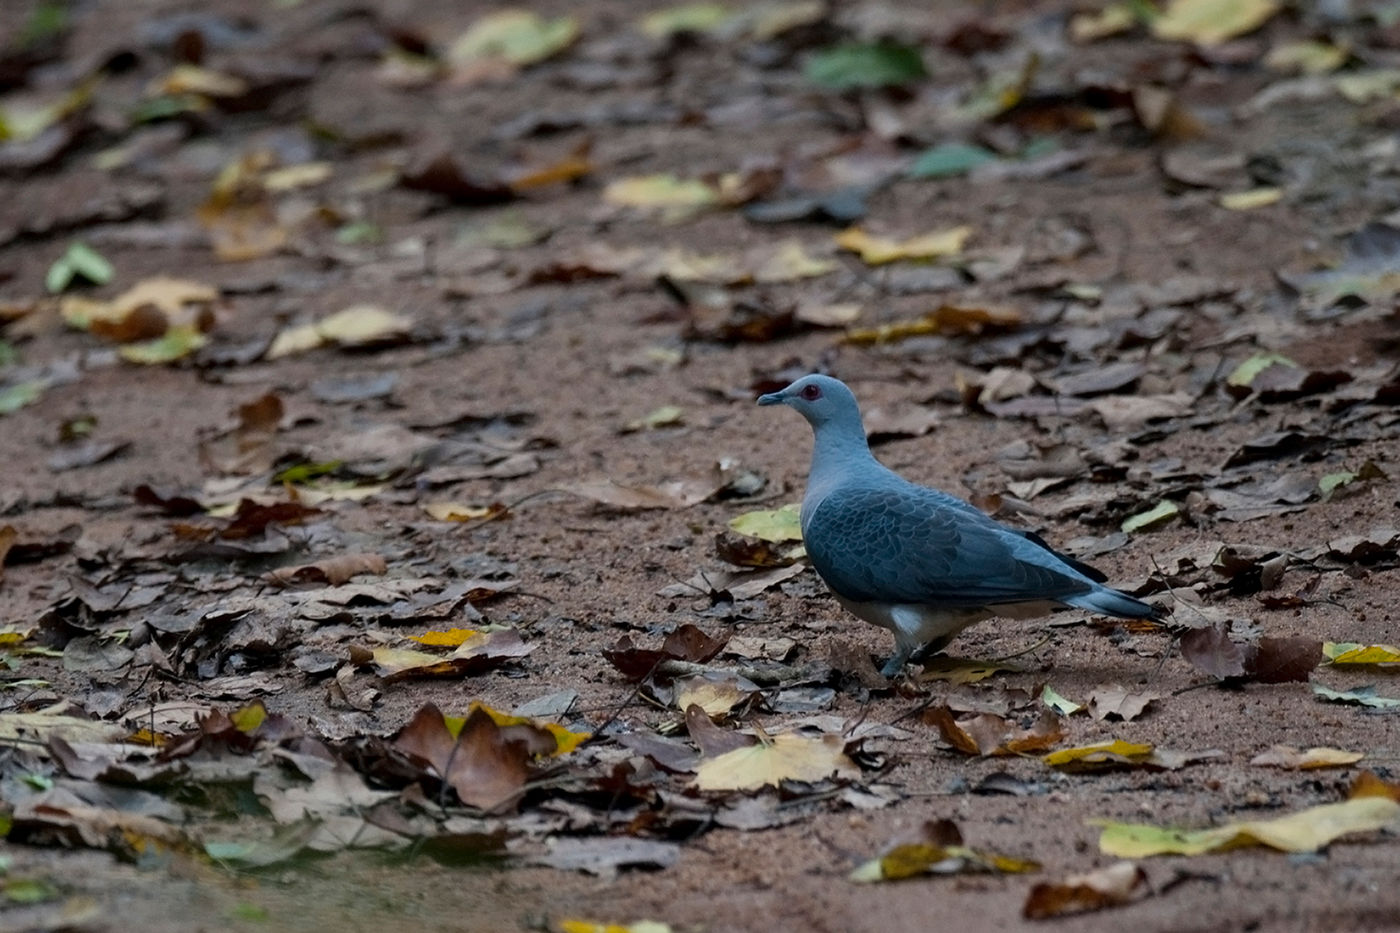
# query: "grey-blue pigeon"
{"type": "Point", "coordinates": [919, 562]}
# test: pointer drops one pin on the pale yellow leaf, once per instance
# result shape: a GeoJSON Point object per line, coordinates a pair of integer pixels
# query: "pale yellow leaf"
{"type": "Point", "coordinates": [785, 757]}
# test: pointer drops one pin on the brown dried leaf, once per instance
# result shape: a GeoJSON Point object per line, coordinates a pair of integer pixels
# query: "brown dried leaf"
{"type": "Point", "coordinates": [1110, 886]}
{"type": "Point", "coordinates": [485, 768]}
{"type": "Point", "coordinates": [987, 734]}
{"type": "Point", "coordinates": [1119, 702]}
{"type": "Point", "coordinates": [332, 570]}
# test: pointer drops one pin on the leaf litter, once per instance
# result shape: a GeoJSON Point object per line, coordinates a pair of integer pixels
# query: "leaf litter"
{"type": "Point", "coordinates": [285, 551]}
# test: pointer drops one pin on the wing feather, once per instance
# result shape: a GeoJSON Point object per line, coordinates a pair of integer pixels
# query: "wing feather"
{"type": "Point", "coordinates": [908, 545]}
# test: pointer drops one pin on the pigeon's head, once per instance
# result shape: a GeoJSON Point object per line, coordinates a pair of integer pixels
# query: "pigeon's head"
{"type": "Point", "coordinates": [819, 399]}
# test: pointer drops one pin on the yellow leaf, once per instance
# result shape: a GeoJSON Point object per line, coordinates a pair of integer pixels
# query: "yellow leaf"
{"type": "Point", "coordinates": [1099, 753]}
{"type": "Point", "coordinates": [565, 740]}
{"type": "Point", "coordinates": [689, 17]}
{"type": "Point", "coordinates": [297, 176]}
{"type": "Point", "coordinates": [335, 492]}
{"type": "Point", "coordinates": [875, 250]}
{"type": "Point", "coordinates": [945, 319]}
{"type": "Point", "coordinates": [959, 670]}
{"type": "Point", "coordinates": [919, 858]}
{"type": "Point", "coordinates": [1352, 653]}
{"type": "Point", "coordinates": [448, 639]}
{"type": "Point", "coordinates": [520, 37]}
{"type": "Point", "coordinates": [1211, 22]}
{"type": "Point", "coordinates": [1305, 831]}
{"type": "Point", "coordinates": [1251, 199]}
{"type": "Point", "coordinates": [1110, 21]}
{"type": "Point", "coordinates": [359, 325]}
{"type": "Point", "coordinates": [776, 525]}
{"type": "Point", "coordinates": [589, 926]}
{"type": "Point", "coordinates": [177, 342]}
{"type": "Point", "coordinates": [1286, 756]}
{"type": "Point", "coordinates": [675, 197]}
{"type": "Point", "coordinates": [294, 340]}
{"type": "Point", "coordinates": [249, 717]}
{"type": "Point", "coordinates": [790, 262]}
{"type": "Point", "coordinates": [391, 661]}
{"type": "Point", "coordinates": [785, 757]}
{"type": "Point", "coordinates": [458, 512]}
{"type": "Point", "coordinates": [1307, 56]}
{"type": "Point", "coordinates": [192, 79]}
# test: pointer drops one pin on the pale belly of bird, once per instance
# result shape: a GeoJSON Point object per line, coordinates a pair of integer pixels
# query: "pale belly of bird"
{"type": "Point", "coordinates": [916, 625]}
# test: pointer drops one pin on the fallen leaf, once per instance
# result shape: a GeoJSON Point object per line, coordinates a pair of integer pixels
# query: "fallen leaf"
{"type": "Point", "coordinates": [988, 734]}
{"type": "Point", "coordinates": [784, 757]}
{"type": "Point", "coordinates": [1211, 22]}
{"type": "Point", "coordinates": [1119, 702]}
{"type": "Point", "coordinates": [1286, 756]}
{"type": "Point", "coordinates": [675, 198]}
{"type": "Point", "coordinates": [1353, 653]}
{"type": "Point", "coordinates": [1305, 831]}
{"type": "Point", "coordinates": [876, 250]}
{"type": "Point", "coordinates": [1250, 200]}
{"type": "Point", "coordinates": [864, 65]}
{"type": "Point", "coordinates": [1052, 698]}
{"type": "Point", "coordinates": [461, 512]}
{"type": "Point", "coordinates": [1368, 784]}
{"type": "Point", "coordinates": [945, 320]}
{"type": "Point", "coordinates": [486, 769]}
{"type": "Point", "coordinates": [777, 526]}
{"type": "Point", "coordinates": [448, 639]}
{"type": "Point", "coordinates": [686, 643]}
{"type": "Point", "coordinates": [1155, 517]}
{"type": "Point", "coordinates": [39, 727]}
{"type": "Point", "coordinates": [78, 261]}
{"type": "Point", "coordinates": [332, 570]}
{"type": "Point", "coordinates": [959, 670]}
{"type": "Point", "coordinates": [1360, 696]}
{"type": "Point", "coordinates": [938, 851]}
{"type": "Point", "coordinates": [1110, 886]}
{"type": "Point", "coordinates": [475, 655]}
{"type": "Point", "coordinates": [947, 160]}
{"type": "Point", "coordinates": [518, 37]}
{"type": "Point", "coordinates": [590, 926]}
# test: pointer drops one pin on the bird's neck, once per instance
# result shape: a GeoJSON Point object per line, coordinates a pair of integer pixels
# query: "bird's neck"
{"type": "Point", "coordinates": [841, 450]}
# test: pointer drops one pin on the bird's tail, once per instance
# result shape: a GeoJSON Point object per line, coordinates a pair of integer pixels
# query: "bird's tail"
{"type": "Point", "coordinates": [1111, 602]}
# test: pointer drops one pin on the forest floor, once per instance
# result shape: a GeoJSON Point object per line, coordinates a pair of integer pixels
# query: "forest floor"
{"type": "Point", "coordinates": [427, 340]}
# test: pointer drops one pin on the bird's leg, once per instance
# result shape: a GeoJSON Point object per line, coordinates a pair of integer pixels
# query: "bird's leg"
{"type": "Point", "coordinates": [930, 648]}
{"type": "Point", "coordinates": [897, 660]}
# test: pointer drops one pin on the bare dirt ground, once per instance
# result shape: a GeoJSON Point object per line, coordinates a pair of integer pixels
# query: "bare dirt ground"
{"type": "Point", "coordinates": [1148, 214]}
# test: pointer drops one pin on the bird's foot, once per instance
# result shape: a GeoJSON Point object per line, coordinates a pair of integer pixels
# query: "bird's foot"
{"type": "Point", "coordinates": [896, 663]}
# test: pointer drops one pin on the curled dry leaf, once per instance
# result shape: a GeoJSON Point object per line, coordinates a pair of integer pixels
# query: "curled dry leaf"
{"type": "Point", "coordinates": [988, 734]}
{"type": "Point", "coordinates": [1119, 702]}
{"type": "Point", "coordinates": [1286, 756]}
{"type": "Point", "coordinates": [1305, 831]}
{"type": "Point", "coordinates": [1110, 886]}
{"type": "Point", "coordinates": [686, 643]}
{"type": "Point", "coordinates": [332, 570]}
{"type": "Point", "coordinates": [939, 850]}
{"type": "Point", "coordinates": [476, 655]}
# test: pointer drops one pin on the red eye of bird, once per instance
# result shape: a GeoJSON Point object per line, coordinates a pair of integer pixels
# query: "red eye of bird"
{"type": "Point", "coordinates": [811, 393]}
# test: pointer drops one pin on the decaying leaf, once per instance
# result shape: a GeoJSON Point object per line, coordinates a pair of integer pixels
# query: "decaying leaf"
{"type": "Point", "coordinates": [1119, 702]}
{"type": "Point", "coordinates": [1286, 756]}
{"type": "Point", "coordinates": [960, 670]}
{"type": "Point", "coordinates": [776, 525]}
{"type": "Point", "coordinates": [988, 734]}
{"type": "Point", "coordinates": [477, 654]}
{"type": "Point", "coordinates": [1344, 652]}
{"type": "Point", "coordinates": [877, 250]}
{"type": "Point", "coordinates": [947, 319]}
{"type": "Point", "coordinates": [1060, 704]}
{"type": "Point", "coordinates": [1305, 831]}
{"type": "Point", "coordinates": [686, 643]}
{"type": "Point", "coordinates": [939, 850]}
{"type": "Point", "coordinates": [1360, 696]}
{"type": "Point", "coordinates": [333, 570]}
{"type": "Point", "coordinates": [485, 767]}
{"type": "Point", "coordinates": [1211, 22]}
{"type": "Point", "coordinates": [1110, 886]}
{"type": "Point", "coordinates": [1116, 754]}
{"type": "Point", "coordinates": [775, 759]}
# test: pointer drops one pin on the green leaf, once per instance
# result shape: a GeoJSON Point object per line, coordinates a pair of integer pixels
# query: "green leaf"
{"type": "Point", "coordinates": [775, 525]}
{"type": "Point", "coordinates": [1060, 704]}
{"type": "Point", "coordinates": [1361, 696]}
{"type": "Point", "coordinates": [1245, 373]}
{"type": "Point", "coordinates": [865, 65]}
{"type": "Point", "coordinates": [304, 472]}
{"type": "Point", "coordinates": [15, 397]}
{"type": "Point", "coordinates": [80, 260]}
{"type": "Point", "coordinates": [1159, 514]}
{"type": "Point", "coordinates": [521, 37]}
{"type": "Point", "coordinates": [950, 159]}
{"type": "Point", "coordinates": [28, 891]}
{"type": "Point", "coordinates": [689, 17]}
{"type": "Point", "coordinates": [178, 342]}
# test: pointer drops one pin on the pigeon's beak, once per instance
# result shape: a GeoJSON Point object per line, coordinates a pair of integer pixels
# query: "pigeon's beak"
{"type": "Point", "coordinates": [772, 398]}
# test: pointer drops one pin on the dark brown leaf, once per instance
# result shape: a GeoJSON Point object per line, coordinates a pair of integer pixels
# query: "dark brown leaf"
{"type": "Point", "coordinates": [487, 769]}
